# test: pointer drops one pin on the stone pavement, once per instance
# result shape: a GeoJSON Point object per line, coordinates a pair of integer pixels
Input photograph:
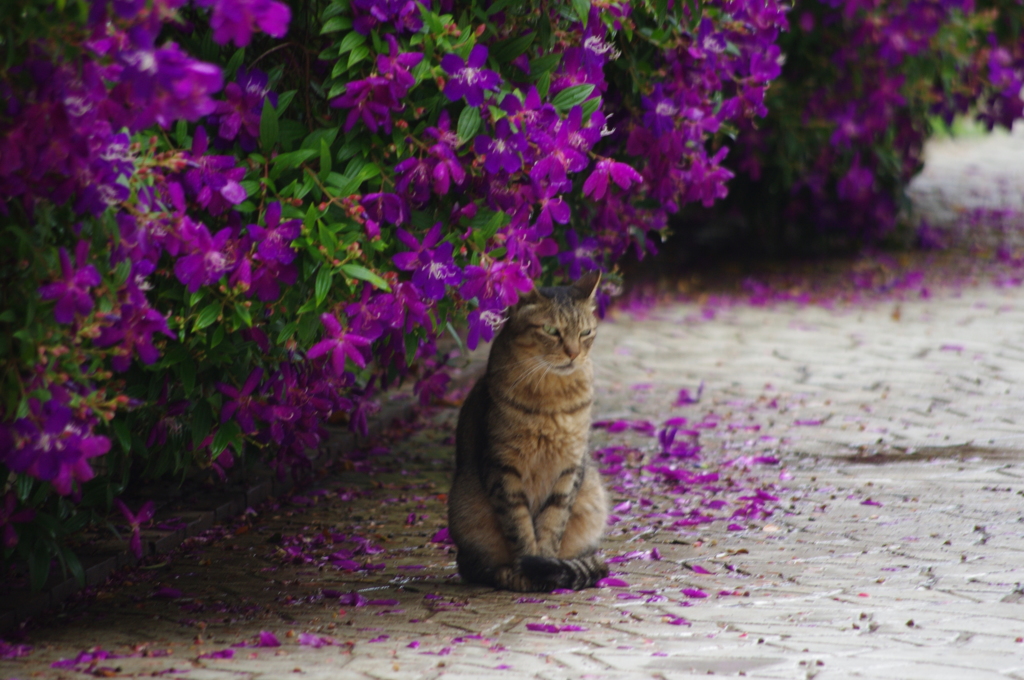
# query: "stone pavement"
{"type": "Point", "coordinates": [893, 548]}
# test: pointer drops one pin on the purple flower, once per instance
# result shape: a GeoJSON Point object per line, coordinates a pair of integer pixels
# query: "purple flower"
{"type": "Point", "coordinates": [404, 15]}
{"type": "Point", "coordinates": [243, 407]}
{"type": "Point", "coordinates": [597, 184]}
{"type": "Point", "coordinates": [499, 286]}
{"type": "Point", "coordinates": [8, 518]}
{"type": "Point", "coordinates": [340, 345]}
{"type": "Point", "coordinates": [483, 323]}
{"type": "Point", "coordinates": [372, 100]}
{"type": "Point", "coordinates": [579, 255]}
{"type": "Point", "coordinates": [385, 207]}
{"type": "Point", "coordinates": [238, 115]}
{"type": "Point", "coordinates": [433, 268]}
{"type": "Point", "coordinates": [275, 240]}
{"type": "Point", "coordinates": [467, 78]}
{"type": "Point", "coordinates": [395, 68]}
{"type": "Point", "coordinates": [206, 260]}
{"type": "Point", "coordinates": [503, 151]}
{"type": "Point", "coordinates": [135, 522]}
{"type": "Point", "coordinates": [237, 20]}
{"type": "Point", "coordinates": [51, 444]}
{"type": "Point", "coordinates": [448, 168]}
{"type": "Point", "coordinates": [132, 331]}
{"type": "Point", "coordinates": [72, 291]}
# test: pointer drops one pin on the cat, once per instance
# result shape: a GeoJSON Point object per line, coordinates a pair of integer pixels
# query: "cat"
{"type": "Point", "coordinates": [527, 507]}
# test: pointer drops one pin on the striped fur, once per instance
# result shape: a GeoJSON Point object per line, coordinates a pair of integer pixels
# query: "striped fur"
{"type": "Point", "coordinates": [527, 507]}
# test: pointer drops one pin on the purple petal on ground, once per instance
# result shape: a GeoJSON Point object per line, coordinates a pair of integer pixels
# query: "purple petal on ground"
{"type": "Point", "coordinates": [542, 627]}
{"type": "Point", "coordinates": [442, 536]}
{"type": "Point", "coordinates": [379, 638]}
{"type": "Point", "coordinates": [165, 594]}
{"type": "Point", "coordinates": [562, 591]}
{"type": "Point", "coordinates": [808, 423]}
{"type": "Point", "coordinates": [699, 569]}
{"type": "Point", "coordinates": [871, 502]}
{"type": "Point", "coordinates": [268, 639]}
{"type": "Point", "coordinates": [679, 621]}
{"type": "Point", "coordinates": [735, 527]}
{"type": "Point", "coordinates": [694, 592]}
{"type": "Point", "coordinates": [414, 644]}
{"type": "Point", "coordinates": [611, 582]}
{"type": "Point", "coordinates": [382, 603]}
{"type": "Point", "coordinates": [222, 654]}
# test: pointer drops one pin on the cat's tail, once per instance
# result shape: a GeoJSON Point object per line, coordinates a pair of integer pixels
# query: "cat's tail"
{"type": "Point", "coordinates": [547, 573]}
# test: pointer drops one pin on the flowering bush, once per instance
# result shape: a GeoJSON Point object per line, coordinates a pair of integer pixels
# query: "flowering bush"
{"type": "Point", "coordinates": [218, 237]}
{"type": "Point", "coordinates": [862, 84]}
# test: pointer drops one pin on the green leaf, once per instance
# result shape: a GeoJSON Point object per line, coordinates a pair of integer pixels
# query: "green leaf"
{"type": "Point", "coordinates": [325, 159]}
{"type": "Point", "coordinates": [469, 123]}
{"type": "Point", "coordinates": [72, 564]}
{"type": "Point", "coordinates": [228, 433]}
{"type": "Point", "coordinates": [590, 106]}
{"type": "Point", "coordinates": [39, 565]}
{"type": "Point", "coordinates": [358, 54]}
{"type": "Point", "coordinates": [582, 9]}
{"type": "Point", "coordinates": [283, 100]}
{"type": "Point", "coordinates": [506, 50]}
{"type": "Point", "coordinates": [207, 316]}
{"type": "Point", "coordinates": [236, 60]}
{"type": "Point", "coordinates": [292, 159]}
{"type": "Point", "coordinates": [545, 64]}
{"type": "Point", "coordinates": [660, 10]}
{"type": "Point", "coordinates": [187, 373]}
{"type": "Point", "coordinates": [181, 133]}
{"type": "Point", "coordinates": [571, 96]}
{"type": "Point", "coordinates": [243, 313]}
{"type": "Point", "coordinates": [360, 272]}
{"type": "Point", "coordinates": [335, 24]}
{"type": "Point", "coordinates": [124, 437]}
{"type": "Point", "coordinates": [350, 42]}
{"type": "Point", "coordinates": [201, 421]}
{"type": "Point", "coordinates": [324, 279]}
{"type": "Point", "coordinates": [312, 140]}
{"type": "Point", "coordinates": [268, 126]}
{"type": "Point", "coordinates": [121, 272]}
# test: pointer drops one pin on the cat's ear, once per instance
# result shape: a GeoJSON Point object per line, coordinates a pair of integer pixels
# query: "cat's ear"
{"type": "Point", "coordinates": [531, 298]}
{"type": "Point", "coordinates": [586, 286]}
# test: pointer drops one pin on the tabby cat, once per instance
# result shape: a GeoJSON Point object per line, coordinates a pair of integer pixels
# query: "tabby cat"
{"type": "Point", "coordinates": [527, 507]}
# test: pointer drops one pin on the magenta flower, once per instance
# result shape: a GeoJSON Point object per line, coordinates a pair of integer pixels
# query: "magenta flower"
{"type": "Point", "coordinates": [72, 291]}
{"type": "Point", "coordinates": [483, 324]}
{"type": "Point", "coordinates": [8, 518]}
{"type": "Point", "coordinates": [340, 345]}
{"type": "Point", "coordinates": [370, 99]}
{"type": "Point", "coordinates": [499, 286]}
{"type": "Point", "coordinates": [394, 67]}
{"type": "Point", "coordinates": [467, 78]}
{"type": "Point", "coordinates": [238, 115]}
{"type": "Point", "coordinates": [132, 331]}
{"type": "Point", "coordinates": [243, 407]}
{"type": "Point", "coordinates": [579, 255]}
{"type": "Point", "coordinates": [597, 184]}
{"type": "Point", "coordinates": [433, 268]}
{"type": "Point", "coordinates": [206, 260]}
{"type": "Point", "coordinates": [503, 151]}
{"type": "Point", "coordinates": [135, 522]}
{"type": "Point", "coordinates": [237, 20]}
{"type": "Point", "coordinates": [275, 240]}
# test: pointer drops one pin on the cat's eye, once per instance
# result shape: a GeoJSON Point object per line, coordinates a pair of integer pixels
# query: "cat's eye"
{"type": "Point", "coordinates": [550, 330]}
{"type": "Point", "coordinates": [585, 332]}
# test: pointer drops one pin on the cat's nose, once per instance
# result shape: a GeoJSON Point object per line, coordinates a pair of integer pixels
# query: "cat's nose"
{"type": "Point", "coordinates": [572, 352]}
